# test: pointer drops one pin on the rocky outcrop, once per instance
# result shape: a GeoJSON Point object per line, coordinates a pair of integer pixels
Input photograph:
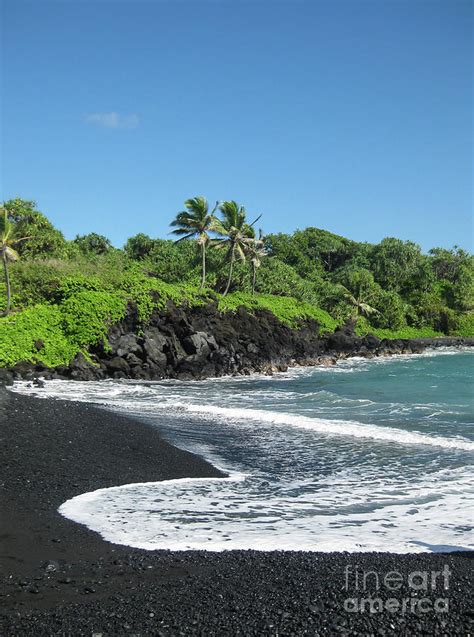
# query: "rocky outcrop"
{"type": "Point", "coordinates": [201, 342]}
{"type": "Point", "coordinates": [196, 343]}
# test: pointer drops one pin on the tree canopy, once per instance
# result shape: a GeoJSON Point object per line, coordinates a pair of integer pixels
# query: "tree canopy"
{"type": "Point", "coordinates": [390, 285]}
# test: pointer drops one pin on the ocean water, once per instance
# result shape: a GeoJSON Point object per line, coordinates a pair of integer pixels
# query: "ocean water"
{"type": "Point", "coordinates": [369, 455]}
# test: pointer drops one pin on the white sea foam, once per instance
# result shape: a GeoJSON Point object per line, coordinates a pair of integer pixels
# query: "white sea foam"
{"type": "Point", "coordinates": [331, 427]}
{"type": "Point", "coordinates": [127, 397]}
{"type": "Point", "coordinates": [343, 514]}
{"type": "Point", "coordinates": [386, 488]}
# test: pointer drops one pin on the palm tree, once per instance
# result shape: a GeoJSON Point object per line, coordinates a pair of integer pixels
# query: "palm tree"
{"type": "Point", "coordinates": [234, 233]}
{"type": "Point", "coordinates": [195, 222]}
{"type": "Point", "coordinates": [7, 252]}
{"type": "Point", "coordinates": [357, 302]}
{"type": "Point", "coordinates": [255, 251]}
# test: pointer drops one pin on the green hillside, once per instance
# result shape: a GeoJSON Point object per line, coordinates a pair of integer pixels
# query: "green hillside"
{"type": "Point", "coordinates": [65, 294]}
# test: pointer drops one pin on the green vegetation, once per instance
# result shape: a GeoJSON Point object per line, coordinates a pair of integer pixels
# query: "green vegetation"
{"type": "Point", "coordinates": [286, 309]}
{"type": "Point", "coordinates": [195, 222]}
{"type": "Point", "coordinates": [363, 328]}
{"type": "Point", "coordinates": [88, 313]}
{"type": "Point", "coordinates": [35, 335]}
{"type": "Point", "coordinates": [59, 297]}
{"type": "Point", "coordinates": [9, 240]}
{"type": "Point", "coordinates": [234, 234]}
{"type": "Point", "coordinates": [464, 325]}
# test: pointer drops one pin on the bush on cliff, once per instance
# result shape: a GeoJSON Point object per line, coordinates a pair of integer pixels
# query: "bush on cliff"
{"type": "Point", "coordinates": [54, 334]}
{"type": "Point", "coordinates": [35, 335]}
{"type": "Point", "coordinates": [363, 328]}
{"type": "Point", "coordinates": [286, 309]}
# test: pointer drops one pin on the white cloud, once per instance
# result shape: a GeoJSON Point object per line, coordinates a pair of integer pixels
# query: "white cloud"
{"type": "Point", "coordinates": [113, 120]}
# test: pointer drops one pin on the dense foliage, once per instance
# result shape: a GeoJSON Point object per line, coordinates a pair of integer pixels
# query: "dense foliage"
{"type": "Point", "coordinates": [287, 309]}
{"type": "Point", "coordinates": [65, 294]}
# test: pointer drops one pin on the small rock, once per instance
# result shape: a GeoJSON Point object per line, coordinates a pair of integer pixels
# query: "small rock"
{"type": "Point", "coordinates": [51, 566]}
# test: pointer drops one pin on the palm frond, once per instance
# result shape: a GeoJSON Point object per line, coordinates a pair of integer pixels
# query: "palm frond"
{"type": "Point", "coordinates": [15, 241]}
{"type": "Point", "coordinates": [249, 231]}
{"type": "Point", "coordinates": [198, 206]}
{"type": "Point", "coordinates": [181, 230]}
{"type": "Point", "coordinates": [186, 237]}
{"type": "Point", "coordinates": [193, 222]}
{"type": "Point", "coordinates": [218, 227]}
{"type": "Point", "coordinates": [348, 296]}
{"type": "Point", "coordinates": [3, 220]}
{"type": "Point", "coordinates": [6, 227]}
{"type": "Point", "coordinates": [183, 218]}
{"type": "Point", "coordinates": [220, 243]}
{"type": "Point", "coordinates": [368, 309]}
{"type": "Point", "coordinates": [230, 213]}
{"type": "Point", "coordinates": [11, 254]}
{"type": "Point", "coordinates": [255, 220]}
{"type": "Point", "coordinates": [240, 252]}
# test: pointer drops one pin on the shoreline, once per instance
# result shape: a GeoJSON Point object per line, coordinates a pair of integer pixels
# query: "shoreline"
{"type": "Point", "coordinates": [58, 576]}
{"type": "Point", "coordinates": [80, 370]}
{"type": "Point", "coordinates": [194, 343]}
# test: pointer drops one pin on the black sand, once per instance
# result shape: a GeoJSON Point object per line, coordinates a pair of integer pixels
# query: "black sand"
{"type": "Point", "coordinates": [57, 577]}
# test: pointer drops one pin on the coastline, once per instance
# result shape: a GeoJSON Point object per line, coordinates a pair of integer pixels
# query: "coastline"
{"type": "Point", "coordinates": [198, 343]}
{"type": "Point", "coordinates": [58, 576]}
{"type": "Point", "coordinates": [329, 354]}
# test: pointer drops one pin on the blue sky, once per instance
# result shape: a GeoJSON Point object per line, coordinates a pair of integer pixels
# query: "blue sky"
{"type": "Point", "coordinates": [354, 116]}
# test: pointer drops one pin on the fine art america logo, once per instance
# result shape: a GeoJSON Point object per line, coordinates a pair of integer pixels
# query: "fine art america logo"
{"type": "Point", "coordinates": [395, 592]}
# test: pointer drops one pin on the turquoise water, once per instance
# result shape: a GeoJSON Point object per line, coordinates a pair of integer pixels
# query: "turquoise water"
{"type": "Point", "coordinates": [366, 455]}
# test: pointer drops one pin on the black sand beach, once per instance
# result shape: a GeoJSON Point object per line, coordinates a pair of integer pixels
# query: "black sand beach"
{"type": "Point", "coordinates": [59, 578]}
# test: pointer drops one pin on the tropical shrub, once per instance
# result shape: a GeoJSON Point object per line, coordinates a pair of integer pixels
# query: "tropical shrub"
{"type": "Point", "coordinates": [464, 325]}
{"type": "Point", "coordinates": [35, 335]}
{"type": "Point", "coordinates": [286, 309]}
